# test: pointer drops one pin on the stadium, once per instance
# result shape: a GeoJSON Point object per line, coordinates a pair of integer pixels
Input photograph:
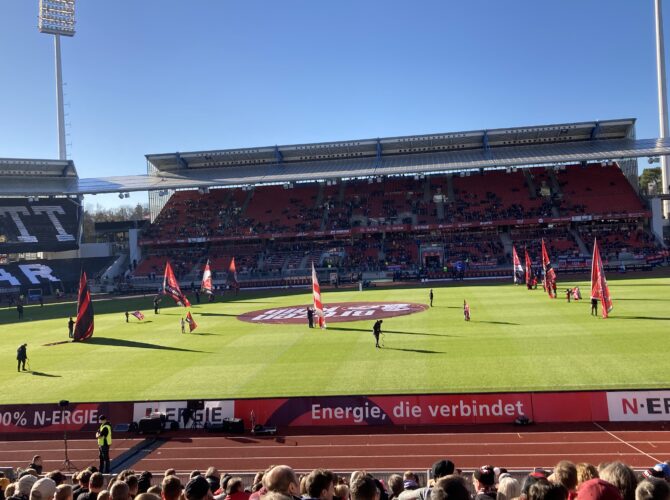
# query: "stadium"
{"type": "Point", "coordinates": [488, 296]}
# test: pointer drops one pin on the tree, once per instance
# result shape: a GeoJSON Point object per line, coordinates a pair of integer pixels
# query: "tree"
{"type": "Point", "coordinates": [650, 176]}
{"type": "Point", "coordinates": [116, 214]}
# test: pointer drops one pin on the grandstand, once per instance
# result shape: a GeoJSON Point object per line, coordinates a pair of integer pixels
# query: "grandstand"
{"type": "Point", "coordinates": [405, 207]}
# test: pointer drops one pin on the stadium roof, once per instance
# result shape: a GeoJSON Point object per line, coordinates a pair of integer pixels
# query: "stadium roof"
{"type": "Point", "coordinates": [512, 147]}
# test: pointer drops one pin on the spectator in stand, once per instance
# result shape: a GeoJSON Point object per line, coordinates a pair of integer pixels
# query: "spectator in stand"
{"type": "Point", "coordinates": [133, 483]}
{"type": "Point", "coordinates": [441, 468]}
{"type": "Point", "coordinates": [36, 464]}
{"type": "Point", "coordinates": [4, 482]}
{"type": "Point", "coordinates": [23, 487]}
{"type": "Point", "coordinates": [508, 487]}
{"type": "Point", "coordinates": [282, 479]}
{"type": "Point", "coordinates": [63, 492]}
{"type": "Point", "coordinates": [597, 489]}
{"type": "Point", "coordinates": [395, 483]}
{"type": "Point", "coordinates": [364, 488]}
{"type": "Point", "coordinates": [170, 472]}
{"type": "Point", "coordinates": [58, 477]}
{"type": "Point", "coordinates": [484, 480]}
{"type": "Point", "coordinates": [342, 491]}
{"type": "Point", "coordinates": [120, 491]}
{"type": "Point", "coordinates": [565, 474]}
{"type": "Point", "coordinates": [531, 479]}
{"type": "Point", "coordinates": [197, 489]}
{"type": "Point", "coordinates": [43, 489]}
{"type": "Point", "coordinates": [546, 490]}
{"type": "Point", "coordinates": [652, 489]}
{"type": "Point", "coordinates": [104, 495]}
{"type": "Point", "coordinates": [410, 480]}
{"type": "Point", "coordinates": [621, 476]}
{"type": "Point", "coordinates": [585, 472]}
{"type": "Point", "coordinates": [171, 488]}
{"type": "Point", "coordinates": [83, 478]}
{"type": "Point", "coordinates": [155, 490]}
{"type": "Point", "coordinates": [144, 482]}
{"type": "Point", "coordinates": [95, 485]}
{"type": "Point", "coordinates": [320, 484]}
{"type": "Point", "coordinates": [235, 490]}
{"type": "Point", "coordinates": [213, 477]}
{"type": "Point", "coordinates": [451, 487]}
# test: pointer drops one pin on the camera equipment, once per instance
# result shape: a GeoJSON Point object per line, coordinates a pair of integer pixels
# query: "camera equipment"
{"type": "Point", "coordinates": [67, 464]}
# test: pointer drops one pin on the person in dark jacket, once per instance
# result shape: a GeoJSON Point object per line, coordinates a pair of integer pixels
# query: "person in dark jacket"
{"type": "Point", "coordinates": [21, 357]}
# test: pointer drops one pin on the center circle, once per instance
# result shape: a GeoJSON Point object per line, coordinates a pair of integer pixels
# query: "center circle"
{"type": "Point", "coordinates": [338, 312]}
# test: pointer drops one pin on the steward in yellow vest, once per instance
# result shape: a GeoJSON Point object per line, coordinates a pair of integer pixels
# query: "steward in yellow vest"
{"type": "Point", "coordinates": [104, 436]}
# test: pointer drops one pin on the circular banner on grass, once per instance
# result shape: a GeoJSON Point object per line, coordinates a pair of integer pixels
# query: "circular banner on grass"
{"type": "Point", "coordinates": [335, 313]}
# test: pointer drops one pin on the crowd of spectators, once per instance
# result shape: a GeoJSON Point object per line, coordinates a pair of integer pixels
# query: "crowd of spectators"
{"type": "Point", "coordinates": [567, 481]}
{"type": "Point", "coordinates": [373, 203]}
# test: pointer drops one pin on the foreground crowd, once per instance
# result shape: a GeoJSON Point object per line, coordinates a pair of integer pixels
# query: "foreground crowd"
{"type": "Point", "coordinates": [567, 481]}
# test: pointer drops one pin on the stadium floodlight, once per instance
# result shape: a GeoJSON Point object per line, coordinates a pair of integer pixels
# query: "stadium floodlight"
{"type": "Point", "coordinates": [57, 18]}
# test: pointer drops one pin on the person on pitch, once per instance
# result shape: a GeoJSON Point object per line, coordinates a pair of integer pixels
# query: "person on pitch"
{"type": "Point", "coordinates": [431, 297]}
{"type": "Point", "coordinates": [310, 317]}
{"type": "Point", "coordinates": [376, 331]}
{"type": "Point", "coordinates": [594, 307]}
{"type": "Point", "coordinates": [127, 316]}
{"type": "Point", "coordinates": [21, 357]}
{"type": "Point", "coordinates": [104, 436]}
{"type": "Point", "coordinates": [183, 325]}
{"type": "Point", "coordinates": [70, 327]}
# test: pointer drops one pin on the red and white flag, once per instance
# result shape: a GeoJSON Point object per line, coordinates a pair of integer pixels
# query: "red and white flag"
{"type": "Point", "coordinates": [549, 273]}
{"type": "Point", "coordinates": [529, 268]}
{"type": "Point", "coordinates": [192, 325]}
{"type": "Point", "coordinates": [85, 321]}
{"type": "Point", "coordinates": [138, 315]}
{"type": "Point", "coordinates": [233, 270]}
{"type": "Point", "coordinates": [171, 287]}
{"type": "Point", "coordinates": [316, 294]}
{"type": "Point", "coordinates": [599, 288]}
{"type": "Point", "coordinates": [516, 262]}
{"type": "Point", "coordinates": [206, 285]}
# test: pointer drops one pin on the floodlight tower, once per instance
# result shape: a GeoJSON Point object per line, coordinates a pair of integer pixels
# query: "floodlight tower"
{"type": "Point", "coordinates": [662, 101]}
{"type": "Point", "coordinates": [57, 18]}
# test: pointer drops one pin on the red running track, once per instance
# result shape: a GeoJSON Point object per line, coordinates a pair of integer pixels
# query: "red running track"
{"type": "Point", "coordinates": [508, 446]}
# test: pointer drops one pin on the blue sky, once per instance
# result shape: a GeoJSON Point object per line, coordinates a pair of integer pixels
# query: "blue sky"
{"type": "Point", "coordinates": [155, 76]}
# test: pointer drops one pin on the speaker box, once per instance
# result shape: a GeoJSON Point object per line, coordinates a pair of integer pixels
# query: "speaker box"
{"type": "Point", "coordinates": [195, 404]}
{"type": "Point", "coordinates": [233, 425]}
{"type": "Point", "coordinates": [150, 425]}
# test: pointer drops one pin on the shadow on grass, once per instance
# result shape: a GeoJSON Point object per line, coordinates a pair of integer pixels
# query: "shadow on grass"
{"type": "Point", "coordinates": [497, 323]}
{"type": "Point", "coordinates": [369, 330]}
{"type": "Point", "coordinates": [647, 300]}
{"type": "Point", "coordinates": [420, 351]}
{"type": "Point", "coordinates": [42, 374]}
{"type": "Point", "coordinates": [134, 345]}
{"type": "Point", "coordinates": [656, 318]}
{"type": "Point", "coordinates": [217, 314]}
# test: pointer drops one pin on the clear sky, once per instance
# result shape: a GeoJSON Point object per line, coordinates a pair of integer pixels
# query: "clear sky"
{"type": "Point", "coordinates": [157, 76]}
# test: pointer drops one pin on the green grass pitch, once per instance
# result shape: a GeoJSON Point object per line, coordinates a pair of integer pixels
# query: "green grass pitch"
{"type": "Point", "coordinates": [517, 341]}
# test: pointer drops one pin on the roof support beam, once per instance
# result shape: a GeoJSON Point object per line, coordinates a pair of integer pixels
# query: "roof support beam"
{"type": "Point", "coordinates": [485, 144]}
{"type": "Point", "coordinates": [181, 161]}
{"type": "Point", "coordinates": [379, 150]}
{"type": "Point", "coordinates": [595, 131]}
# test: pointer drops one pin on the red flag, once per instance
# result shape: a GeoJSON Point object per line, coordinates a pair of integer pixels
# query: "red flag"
{"type": "Point", "coordinates": [192, 325]}
{"type": "Point", "coordinates": [84, 328]}
{"type": "Point", "coordinates": [517, 270]}
{"type": "Point", "coordinates": [316, 295]}
{"type": "Point", "coordinates": [599, 288]}
{"type": "Point", "coordinates": [466, 311]}
{"type": "Point", "coordinates": [529, 268]}
{"type": "Point", "coordinates": [171, 287]}
{"type": "Point", "coordinates": [549, 273]}
{"type": "Point", "coordinates": [138, 315]}
{"type": "Point", "coordinates": [206, 285]}
{"type": "Point", "coordinates": [233, 270]}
